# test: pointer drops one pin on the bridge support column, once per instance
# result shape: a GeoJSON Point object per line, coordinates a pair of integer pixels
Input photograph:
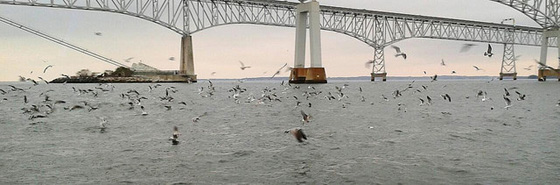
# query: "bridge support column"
{"type": "Point", "coordinates": [379, 64]}
{"type": "Point", "coordinates": [315, 73]}
{"type": "Point", "coordinates": [543, 72]}
{"type": "Point", "coordinates": [186, 68]}
{"type": "Point", "coordinates": [508, 59]}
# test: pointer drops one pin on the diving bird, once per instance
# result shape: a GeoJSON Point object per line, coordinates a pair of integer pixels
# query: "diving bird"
{"type": "Point", "coordinates": [297, 133]}
{"type": "Point", "coordinates": [467, 47]}
{"type": "Point", "coordinates": [489, 51]}
{"type": "Point", "coordinates": [174, 138]}
{"type": "Point", "coordinates": [45, 70]}
{"type": "Point", "coordinates": [243, 66]}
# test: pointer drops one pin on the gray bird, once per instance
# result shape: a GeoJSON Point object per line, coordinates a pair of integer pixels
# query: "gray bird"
{"type": "Point", "coordinates": [297, 133]}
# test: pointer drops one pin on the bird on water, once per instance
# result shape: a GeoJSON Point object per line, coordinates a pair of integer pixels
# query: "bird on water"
{"type": "Point", "coordinates": [174, 138]}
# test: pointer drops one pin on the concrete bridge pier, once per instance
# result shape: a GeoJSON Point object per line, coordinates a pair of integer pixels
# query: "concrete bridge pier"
{"type": "Point", "coordinates": [186, 68]}
{"type": "Point", "coordinates": [543, 72]}
{"type": "Point", "coordinates": [315, 73]}
{"type": "Point", "coordinates": [378, 64]}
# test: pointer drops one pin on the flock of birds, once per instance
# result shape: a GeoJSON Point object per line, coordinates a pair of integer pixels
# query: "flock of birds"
{"type": "Point", "coordinates": [134, 99]}
{"type": "Point", "coordinates": [464, 48]}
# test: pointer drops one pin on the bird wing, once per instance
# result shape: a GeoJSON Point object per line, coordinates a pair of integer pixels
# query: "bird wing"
{"type": "Point", "coordinates": [45, 70]}
{"type": "Point", "coordinates": [489, 48]}
{"type": "Point", "coordinates": [242, 65]}
{"type": "Point", "coordinates": [396, 48]}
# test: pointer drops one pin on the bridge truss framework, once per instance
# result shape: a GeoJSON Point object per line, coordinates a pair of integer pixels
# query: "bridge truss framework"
{"type": "Point", "coordinates": [375, 28]}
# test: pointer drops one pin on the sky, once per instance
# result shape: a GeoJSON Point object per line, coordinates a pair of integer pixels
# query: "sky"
{"type": "Point", "coordinates": [218, 50]}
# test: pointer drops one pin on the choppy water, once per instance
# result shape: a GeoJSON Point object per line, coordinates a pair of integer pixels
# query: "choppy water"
{"type": "Point", "coordinates": [350, 141]}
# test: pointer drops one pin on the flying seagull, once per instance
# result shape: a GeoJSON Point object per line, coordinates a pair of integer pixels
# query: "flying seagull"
{"type": "Point", "coordinates": [477, 68]}
{"type": "Point", "coordinates": [128, 59]}
{"type": "Point", "coordinates": [305, 117]}
{"type": "Point", "coordinates": [508, 102]}
{"type": "Point", "coordinates": [467, 47]}
{"type": "Point", "coordinates": [489, 51]}
{"type": "Point", "coordinates": [297, 133]}
{"type": "Point", "coordinates": [399, 53]}
{"type": "Point", "coordinates": [98, 33]}
{"type": "Point", "coordinates": [369, 63]}
{"type": "Point", "coordinates": [172, 58]}
{"type": "Point", "coordinates": [442, 62]}
{"type": "Point", "coordinates": [544, 65]}
{"type": "Point", "coordinates": [278, 72]}
{"type": "Point", "coordinates": [243, 67]}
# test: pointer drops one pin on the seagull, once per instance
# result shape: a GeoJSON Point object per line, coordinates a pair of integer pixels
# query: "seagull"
{"type": "Point", "coordinates": [243, 67]}
{"type": "Point", "coordinates": [128, 59]}
{"type": "Point", "coordinates": [98, 33]}
{"type": "Point", "coordinates": [399, 53]}
{"type": "Point", "coordinates": [278, 72]}
{"type": "Point", "coordinates": [369, 63]}
{"type": "Point", "coordinates": [489, 51]}
{"type": "Point", "coordinates": [508, 102]}
{"type": "Point", "coordinates": [477, 68]}
{"type": "Point", "coordinates": [144, 113]}
{"type": "Point", "coordinates": [434, 78]}
{"type": "Point", "coordinates": [297, 133]}
{"type": "Point", "coordinates": [528, 68]}
{"type": "Point", "coordinates": [544, 65]}
{"type": "Point", "coordinates": [102, 124]}
{"type": "Point", "coordinates": [429, 100]}
{"type": "Point", "coordinates": [45, 70]}
{"type": "Point", "coordinates": [175, 136]}
{"type": "Point", "coordinates": [172, 58]}
{"type": "Point", "coordinates": [305, 117]}
{"type": "Point", "coordinates": [442, 62]}
{"type": "Point", "coordinates": [467, 47]}
{"type": "Point", "coordinates": [506, 91]}
{"type": "Point", "coordinates": [453, 72]}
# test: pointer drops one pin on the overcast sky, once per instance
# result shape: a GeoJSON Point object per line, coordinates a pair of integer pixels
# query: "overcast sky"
{"type": "Point", "coordinates": [265, 48]}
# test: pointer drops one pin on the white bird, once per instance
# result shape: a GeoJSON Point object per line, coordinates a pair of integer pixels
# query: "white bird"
{"type": "Point", "coordinates": [128, 59]}
{"type": "Point", "coordinates": [399, 52]}
{"type": "Point", "coordinates": [144, 113]}
{"type": "Point", "coordinates": [508, 102]}
{"type": "Point", "coordinates": [278, 72]}
{"type": "Point", "coordinates": [243, 67]}
{"type": "Point", "coordinates": [305, 117]}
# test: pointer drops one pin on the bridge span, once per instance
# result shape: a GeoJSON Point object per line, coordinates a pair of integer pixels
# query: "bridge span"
{"type": "Point", "coordinates": [376, 28]}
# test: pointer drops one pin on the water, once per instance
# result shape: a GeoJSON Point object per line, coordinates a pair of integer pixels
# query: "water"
{"type": "Point", "coordinates": [349, 141]}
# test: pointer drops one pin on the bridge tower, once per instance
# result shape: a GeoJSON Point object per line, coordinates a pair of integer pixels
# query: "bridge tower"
{"type": "Point", "coordinates": [509, 58]}
{"type": "Point", "coordinates": [544, 72]}
{"type": "Point", "coordinates": [315, 73]}
{"type": "Point", "coordinates": [186, 68]}
{"type": "Point", "coordinates": [378, 64]}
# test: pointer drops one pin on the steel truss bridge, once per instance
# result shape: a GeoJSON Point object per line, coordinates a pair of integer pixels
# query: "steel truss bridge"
{"type": "Point", "coordinates": [375, 28]}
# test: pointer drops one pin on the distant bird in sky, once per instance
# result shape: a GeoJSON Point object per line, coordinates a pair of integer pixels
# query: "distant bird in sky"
{"type": "Point", "coordinates": [213, 73]}
{"type": "Point", "coordinates": [278, 72]}
{"type": "Point", "coordinates": [467, 47]}
{"type": "Point", "coordinates": [399, 52]}
{"type": "Point", "coordinates": [128, 59]}
{"type": "Point", "coordinates": [45, 70]}
{"type": "Point", "coordinates": [442, 62]}
{"type": "Point", "coordinates": [369, 63]}
{"type": "Point", "coordinates": [243, 66]}
{"type": "Point", "coordinates": [297, 133]}
{"type": "Point", "coordinates": [477, 68]}
{"type": "Point", "coordinates": [453, 72]}
{"type": "Point", "coordinates": [172, 58]}
{"type": "Point", "coordinates": [489, 51]}
{"type": "Point", "coordinates": [544, 65]}
{"type": "Point", "coordinates": [98, 33]}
